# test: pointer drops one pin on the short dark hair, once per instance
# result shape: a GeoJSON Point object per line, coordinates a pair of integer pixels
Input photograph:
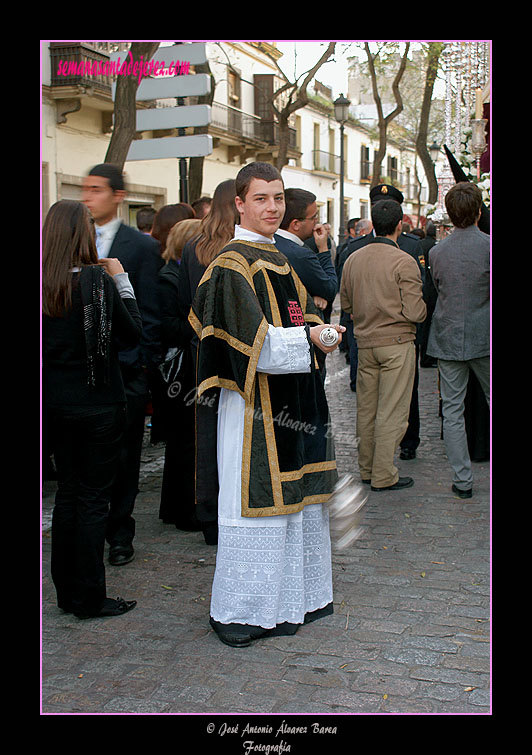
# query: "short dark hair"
{"type": "Point", "coordinates": [463, 202]}
{"type": "Point", "coordinates": [386, 214]}
{"type": "Point", "coordinates": [145, 216]}
{"type": "Point", "coordinates": [297, 201]}
{"type": "Point", "coordinates": [265, 171]}
{"type": "Point", "coordinates": [201, 201]}
{"type": "Point", "coordinates": [112, 173]}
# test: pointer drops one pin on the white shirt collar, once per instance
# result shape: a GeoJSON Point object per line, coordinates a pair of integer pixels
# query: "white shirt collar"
{"type": "Point", "coordinates": [291, 236]}
{"type": "Point", "coordinates": [243, 234]}
{"type": "Point", "coordinates": [108, 230]}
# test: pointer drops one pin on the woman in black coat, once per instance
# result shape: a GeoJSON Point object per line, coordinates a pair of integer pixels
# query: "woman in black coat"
{"type": "Point", "coordinates": [176, 399]}
{"type": "Point", "coordinates": [88, 310]}
{"type": "Point", "coordinates": [179, 280]}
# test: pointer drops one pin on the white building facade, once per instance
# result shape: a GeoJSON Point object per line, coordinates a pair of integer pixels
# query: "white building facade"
{"type": "Point", "coordinates": [77, 123]}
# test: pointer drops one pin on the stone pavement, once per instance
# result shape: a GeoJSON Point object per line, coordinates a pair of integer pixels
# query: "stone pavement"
{"type": "Point", "coordinates": [410, 633]}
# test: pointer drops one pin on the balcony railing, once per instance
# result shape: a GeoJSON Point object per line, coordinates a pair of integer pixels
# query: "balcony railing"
{"type": "Point", "coordinates": [246, 125]}
{"type": "Point", "coordinates": [326, 161]}
{"type": "Point", "coordinates": [79, 56]}
{"type": "Point", "coordinates": [235, 121]}
{"type": "Point", "coordinates": [270, 133]}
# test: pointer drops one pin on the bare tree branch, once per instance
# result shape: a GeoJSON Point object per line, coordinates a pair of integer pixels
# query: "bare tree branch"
{"type": "Point", "coordinates": [384, 121]}
{"type": "Point", "coordinates": [125, 111]}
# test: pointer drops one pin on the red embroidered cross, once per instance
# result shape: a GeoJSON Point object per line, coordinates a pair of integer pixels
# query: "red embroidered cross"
{"type": "Point", "coordinates": [295, 313]}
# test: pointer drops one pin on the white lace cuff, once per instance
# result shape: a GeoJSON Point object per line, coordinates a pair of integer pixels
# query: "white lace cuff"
{"type": "Point", "coordinates": [285, 350]}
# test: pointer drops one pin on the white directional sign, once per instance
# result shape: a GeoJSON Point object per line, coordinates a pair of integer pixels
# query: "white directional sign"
{"type": "Point", "coordinates": [170, 146]}
{"type": "Point", "coordinates": [193, 53]}
{"type": "Point", "coordinates": [166, 75]}
{"type": "Point", "coordinates": [172, 86]}
{"type": "Point", "coordinates": [173, 117]}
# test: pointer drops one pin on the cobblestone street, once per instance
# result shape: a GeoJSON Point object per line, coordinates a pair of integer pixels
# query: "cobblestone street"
{"type": "Point", "coordinates": [410, 633]}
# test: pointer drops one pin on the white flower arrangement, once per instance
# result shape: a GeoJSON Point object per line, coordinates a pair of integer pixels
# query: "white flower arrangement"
{"type": "Point", "coordinates": [467, 162]}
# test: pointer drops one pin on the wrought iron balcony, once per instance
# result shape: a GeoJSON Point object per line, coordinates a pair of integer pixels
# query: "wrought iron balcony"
{"type": "Point", "coordinates": [78, 56]}
{"type": "Point", "coordinates": [270, 133]}
{"type": "Point", "coordinates": [325, 161]}
{"type": "Point", "coordinates": [238, 123]}
{"type": "Point", "coordinates": [235, 121]}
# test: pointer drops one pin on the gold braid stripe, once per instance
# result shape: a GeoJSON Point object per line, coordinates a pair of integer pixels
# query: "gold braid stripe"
{"type": "Point", "coordinates": [297, 474]}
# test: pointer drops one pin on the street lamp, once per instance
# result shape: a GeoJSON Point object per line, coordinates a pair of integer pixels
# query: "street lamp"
{"type": "Point", "coordinates": [434, 151]}
{"type": "Point", "coordinates": [341, 113]}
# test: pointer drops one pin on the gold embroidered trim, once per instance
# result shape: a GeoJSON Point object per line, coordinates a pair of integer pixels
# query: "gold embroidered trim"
{"type": "Point", "coordinates": [210, 330]}
{"type": "Point", "coordinates": [276, 315]}
{"type": "Point", "coordinates": [292, 508]}
{"type": "Point", "coordinates": [319, 466]}
{"type": "Point", "coordinates": [264, 264]}
{"type": "Point", "coordinates": [258, 244]}
{"type": "Point", "coordinates": [246, 450]}
{"type": "Point", "coordinates": [269, 434]}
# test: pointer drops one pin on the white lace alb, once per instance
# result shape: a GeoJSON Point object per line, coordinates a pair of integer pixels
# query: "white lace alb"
{"type": "Point", "coordinates": [268, 575]}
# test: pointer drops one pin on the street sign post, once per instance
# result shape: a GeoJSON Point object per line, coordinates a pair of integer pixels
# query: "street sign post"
{"type": "Point", "coordinates": [170, 146]}
{"type": "Point", "coordinates": [166, 75]}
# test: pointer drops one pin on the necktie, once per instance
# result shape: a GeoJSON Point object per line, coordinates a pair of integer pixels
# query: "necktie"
{"type": "Point", "coordinates": [99, 240]}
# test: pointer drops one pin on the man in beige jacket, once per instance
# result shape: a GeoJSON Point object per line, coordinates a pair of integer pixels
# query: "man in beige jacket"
{"type": "Point", "coordinates": [382, 290]}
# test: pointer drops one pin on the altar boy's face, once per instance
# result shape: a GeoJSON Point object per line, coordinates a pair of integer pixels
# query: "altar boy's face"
{"type": "Point", "coordinates": [263, 207]}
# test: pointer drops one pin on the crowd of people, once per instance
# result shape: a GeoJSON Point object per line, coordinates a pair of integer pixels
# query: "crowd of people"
{"type": "Point", "coordinates": [211, 315]}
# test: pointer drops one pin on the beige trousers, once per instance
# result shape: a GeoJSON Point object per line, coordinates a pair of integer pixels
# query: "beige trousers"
{"type": "Point", "coordinates": [385, 378]}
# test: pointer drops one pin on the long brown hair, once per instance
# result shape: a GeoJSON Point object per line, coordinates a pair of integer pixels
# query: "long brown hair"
{"type": "Point", "coordinates": [218, 226]}
{"type": "Point", "coordinates": [68, 241]}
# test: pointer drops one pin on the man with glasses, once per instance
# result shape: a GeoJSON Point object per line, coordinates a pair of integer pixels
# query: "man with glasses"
{"type": "Point", "coordinates": [300, 222]}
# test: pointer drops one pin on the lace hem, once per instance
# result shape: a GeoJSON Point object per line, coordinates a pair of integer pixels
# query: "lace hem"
{"type": "Point", "coordinates": [269, 575]}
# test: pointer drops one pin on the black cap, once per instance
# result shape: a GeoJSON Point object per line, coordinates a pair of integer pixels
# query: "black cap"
{"type": "Point", "coordinates": [385, 191]}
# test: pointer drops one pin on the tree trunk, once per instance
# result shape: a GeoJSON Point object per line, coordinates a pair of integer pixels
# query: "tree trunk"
{"type": "Point", "coordinates": [125, 110]}
{"type": "Point", "coordinates": [384, 122]}
{"type": "Point", "coordinates": [433, 57]}
{"type": "Point", "coordinates": [195, 164]}
{"type": "Point", "coordinates": [283, 113]}
{"type": "Point", "coordinates": [284, 142]}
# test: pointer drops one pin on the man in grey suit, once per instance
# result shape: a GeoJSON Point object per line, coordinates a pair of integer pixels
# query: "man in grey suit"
{"type": "Point", "coordinates": [460, 330]}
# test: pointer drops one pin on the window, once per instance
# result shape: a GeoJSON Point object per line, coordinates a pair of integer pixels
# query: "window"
{"type": "Point", "coordinates": [392, 169]}
{"type": "Point", "coordinates": [365, 165]}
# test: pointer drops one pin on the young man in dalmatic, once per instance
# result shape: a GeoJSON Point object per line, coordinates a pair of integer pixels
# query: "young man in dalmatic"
{"type": "Point", "coordinates": [262, 416]}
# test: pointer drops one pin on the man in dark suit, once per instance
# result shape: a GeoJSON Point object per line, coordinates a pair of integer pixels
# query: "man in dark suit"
{"type": "Point", "coordinates": [316, 270]}
{"type": "Point", "coordinates": [103, 192]}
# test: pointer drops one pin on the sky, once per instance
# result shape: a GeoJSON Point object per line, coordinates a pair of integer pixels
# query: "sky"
{"type": "Point", "coordinates": [333, 74]}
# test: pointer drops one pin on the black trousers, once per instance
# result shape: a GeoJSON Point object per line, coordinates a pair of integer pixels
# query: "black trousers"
{"type": "Point", "coordinates": [353, 354]}
{"type": "Point", "coordinates": [177, 424]}
{"type": "Point", "coordinates": [86, 451]}
{"type": "Point", "coordinates": [120, 523]}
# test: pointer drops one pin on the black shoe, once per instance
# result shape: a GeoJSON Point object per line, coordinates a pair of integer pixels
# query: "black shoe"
{"type": "Point", "coordinates": [462, 493]}
{"type": "Point", "coordinates": [237, 635]}
{"type": "Point", "coordinates": [121, 554]}
{"type": "Point", "coordinates": [111, 607]}
{"type": "Point", "coordinates": [407, 453]}
{"type": "Point", "coordinates": [402, 482]}
{"type": "Point", "coordinates": [210, 533]}
{"type": "Point", "coordinates": [366, 482]}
